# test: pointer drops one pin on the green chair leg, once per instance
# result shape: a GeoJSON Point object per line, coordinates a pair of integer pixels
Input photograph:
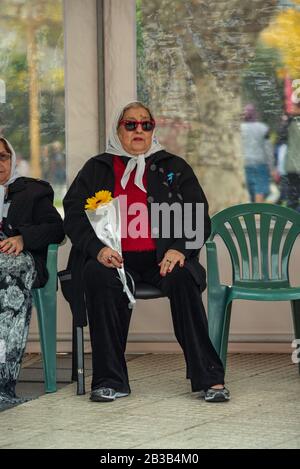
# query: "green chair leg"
{"type": "Point", "coordinates": [296, 319]}
{"type": "Point", "coordinates": [45, 302]}
{"type": "Point", "coordinates": [216, 316]}
{"type": "Point", "coordinates": [225, 335]}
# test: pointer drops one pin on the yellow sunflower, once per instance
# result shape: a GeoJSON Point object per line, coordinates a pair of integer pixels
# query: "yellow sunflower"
{"type": "Point", "coordinates": [100, 198]}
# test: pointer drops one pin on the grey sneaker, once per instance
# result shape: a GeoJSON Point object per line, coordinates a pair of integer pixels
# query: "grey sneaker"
{"type": "Point", "coordinates": [106, 395]}
{"type": "Point", "coordinates": [217, 395]}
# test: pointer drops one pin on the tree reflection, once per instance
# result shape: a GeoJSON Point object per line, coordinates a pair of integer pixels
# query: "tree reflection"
{"type": "Point", "coordinates": [199, 63]}
{"type": "Point", "coordinates": [31, 55]}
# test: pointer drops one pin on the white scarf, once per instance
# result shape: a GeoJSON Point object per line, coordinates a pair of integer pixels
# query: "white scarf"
{"type": "Point", "coordinates": [4, 206]}
{"type": "Point", "coordinates": [115, 148]}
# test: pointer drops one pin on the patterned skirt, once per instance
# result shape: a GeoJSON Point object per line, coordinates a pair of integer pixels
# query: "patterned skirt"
{"type": "Point", "coordinates": [17, 274]}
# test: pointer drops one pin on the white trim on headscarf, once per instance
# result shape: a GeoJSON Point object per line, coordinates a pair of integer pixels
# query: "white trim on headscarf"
{"type": "Point", "coordinates": [4, 206]}
{"type": "Point", "coordinates": [115, 147]}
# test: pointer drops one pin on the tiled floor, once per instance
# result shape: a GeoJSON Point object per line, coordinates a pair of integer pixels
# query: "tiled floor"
{"type": "Point", "coordinates": [161, 412]}
{"type": "Point", "coordinates": [31, 382]}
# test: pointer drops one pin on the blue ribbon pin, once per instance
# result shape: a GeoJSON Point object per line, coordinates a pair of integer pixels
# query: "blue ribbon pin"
{"type": "Point", "coordinates": [170, 177]}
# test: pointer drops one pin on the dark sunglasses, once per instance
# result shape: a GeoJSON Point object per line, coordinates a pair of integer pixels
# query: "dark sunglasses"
{"type": "Point", "coordinates": [147, 126]}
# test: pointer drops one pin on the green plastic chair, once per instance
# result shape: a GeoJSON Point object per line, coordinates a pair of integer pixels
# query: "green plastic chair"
{"type": "Point", "coordinates": [259, 238]}
{"type": "Point", "coordinates": [45, 302]}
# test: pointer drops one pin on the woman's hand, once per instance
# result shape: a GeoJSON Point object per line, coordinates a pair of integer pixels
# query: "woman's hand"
{"type": "Point", "coordinates": [13, 245]}
{"type": "Point", "coordinates": [110, 258]}
{"type": "Point", "coordinates": [170, 259]}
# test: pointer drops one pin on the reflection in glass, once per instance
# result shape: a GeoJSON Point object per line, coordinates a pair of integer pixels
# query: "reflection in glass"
{"type": "Point", "coordinates": [32, 71]}
{"type": "Point", "coordinates": [199, 65]}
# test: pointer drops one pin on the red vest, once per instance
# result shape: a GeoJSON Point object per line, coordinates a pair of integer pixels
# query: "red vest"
{"type": "Point", "coordinates": [134, 195]}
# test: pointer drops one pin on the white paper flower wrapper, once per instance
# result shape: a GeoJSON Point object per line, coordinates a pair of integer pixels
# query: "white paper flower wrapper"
{"type": "Point", "coordinates": [106, 222]}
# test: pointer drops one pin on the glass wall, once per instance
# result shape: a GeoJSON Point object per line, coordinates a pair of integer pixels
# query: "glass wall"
{"type": "Point", "coordinates": [223, 80]}
{"type": "Point", "coordinates": [32, 113]}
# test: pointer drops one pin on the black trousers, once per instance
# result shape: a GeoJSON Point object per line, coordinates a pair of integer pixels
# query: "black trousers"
{"type": "Point", "coordinates": [109, 318]}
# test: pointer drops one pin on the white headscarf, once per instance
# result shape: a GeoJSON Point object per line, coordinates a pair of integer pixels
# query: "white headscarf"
{"type": "Point", "coordinates": [4, 206]}
{"type": "Point", "coordinates": [115, 148]}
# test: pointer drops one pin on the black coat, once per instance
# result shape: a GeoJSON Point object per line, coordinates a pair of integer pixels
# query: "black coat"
{"type": "Point", "coordinates": [31, 214]}
{"type": "Point", "coordinates": [98, 174]}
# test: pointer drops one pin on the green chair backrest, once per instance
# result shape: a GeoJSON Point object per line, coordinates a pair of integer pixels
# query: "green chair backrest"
{"type": "Point", "coordinates": [259, 238]}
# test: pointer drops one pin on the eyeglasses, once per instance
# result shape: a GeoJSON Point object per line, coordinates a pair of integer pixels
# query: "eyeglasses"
{"type": "Point", "coordinates": [147, 126]}
{"type": "Point", "coordinates": [5, 156]}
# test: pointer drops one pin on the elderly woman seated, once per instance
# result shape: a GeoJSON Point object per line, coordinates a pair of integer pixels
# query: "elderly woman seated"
{"type": "Point", "coordinates": [29, 223]}
{"type": "Point", "coordinates": [136, 166]}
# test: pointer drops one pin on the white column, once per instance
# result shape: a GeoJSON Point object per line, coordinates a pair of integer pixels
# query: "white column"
{"type": "Point", "coordinates": [81, 83]}
{"type": "Point", "coordinates": [120, 55]}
